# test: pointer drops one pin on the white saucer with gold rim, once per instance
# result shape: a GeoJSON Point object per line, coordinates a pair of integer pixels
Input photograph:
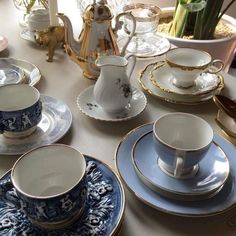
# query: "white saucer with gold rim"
{"type": "Point", "coordinates": [148, 86]}
{"type": "Point", "coordinates": [163, 79]}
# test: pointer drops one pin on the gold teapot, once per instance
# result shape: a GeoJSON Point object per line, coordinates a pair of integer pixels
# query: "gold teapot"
{"type": "Point", "coordinates": [97, 37]}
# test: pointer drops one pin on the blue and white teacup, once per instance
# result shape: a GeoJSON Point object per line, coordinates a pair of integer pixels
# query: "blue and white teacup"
{"type": "Point", "coordinates": [181, 140]}
{"type": "Point", "coordinates": [20, 110]}
{"type": "Point", "coordinates": [50, 182]}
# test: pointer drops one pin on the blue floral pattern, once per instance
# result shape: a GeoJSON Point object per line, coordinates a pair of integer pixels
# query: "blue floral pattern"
{"type": "Point", "coordinates": [103, 209]}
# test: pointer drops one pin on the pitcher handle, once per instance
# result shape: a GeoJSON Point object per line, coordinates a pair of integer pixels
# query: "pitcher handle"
{"type": "Point", "coordinates": [118, 26]}
{"type": "Point", "coordinates": [131, 58]}
{"type": "Point", "coordinates": [212, 69]}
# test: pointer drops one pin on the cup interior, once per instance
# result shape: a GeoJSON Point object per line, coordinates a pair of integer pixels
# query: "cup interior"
{"type": "Point", "coordinates": [17, 97]}
{"type": "Point", "coordinates": [188, 57]}
{"type": "Point", "coordinates": [48, 171]}
{"type": "Point", "coordinates": [183, 131]}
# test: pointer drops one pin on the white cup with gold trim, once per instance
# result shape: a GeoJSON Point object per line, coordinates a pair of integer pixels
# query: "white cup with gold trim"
{"type": "Point", "coordinates": [186, 64]}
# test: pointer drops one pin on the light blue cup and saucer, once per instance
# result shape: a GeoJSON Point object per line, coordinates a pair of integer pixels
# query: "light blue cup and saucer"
{"type": "Point", "coordinates": [184, 163]}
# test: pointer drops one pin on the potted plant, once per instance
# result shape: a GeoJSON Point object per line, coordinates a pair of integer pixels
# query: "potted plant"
{"type": "Point", "coordinates": [200, 18]}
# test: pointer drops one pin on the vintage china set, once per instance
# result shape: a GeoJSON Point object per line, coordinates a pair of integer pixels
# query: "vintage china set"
{"type": "Point", "coordinates": [211, 191]}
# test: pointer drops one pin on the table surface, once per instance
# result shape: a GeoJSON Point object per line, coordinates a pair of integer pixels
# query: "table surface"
{"type": "Point", "coordinates": [63, 79]}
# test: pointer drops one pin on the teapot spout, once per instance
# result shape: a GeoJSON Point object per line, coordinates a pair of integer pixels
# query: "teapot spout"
{"type": "Point", "coordinates": [71, 43]}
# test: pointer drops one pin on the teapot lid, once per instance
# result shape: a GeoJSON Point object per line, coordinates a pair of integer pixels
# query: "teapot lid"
{"type": "Point", "coordinates": [98, 11]}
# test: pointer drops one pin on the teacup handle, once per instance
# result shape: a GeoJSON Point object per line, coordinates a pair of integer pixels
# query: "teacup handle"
{"type": "Point", "coordinates": [179, 164]}
{"type": "Point", "coordinates": [214, 70]}
{"type": "Point", "coordinates": [131, 58]}
{"type": "Point", "coordinates": [118, 26]}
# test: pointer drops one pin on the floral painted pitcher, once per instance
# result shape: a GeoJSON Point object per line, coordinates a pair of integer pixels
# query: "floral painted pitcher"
{"type": "Point", "coordinates": [112, 90]}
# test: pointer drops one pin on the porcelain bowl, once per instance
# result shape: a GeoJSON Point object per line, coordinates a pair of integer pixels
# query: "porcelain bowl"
{"type": "Point", "coordinates": [51, 184]}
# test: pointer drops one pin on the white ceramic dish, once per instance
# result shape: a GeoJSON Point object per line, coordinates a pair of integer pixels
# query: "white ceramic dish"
{"type": "Point", "coordinates": [56, 121]}
{"type": "Point", "coordinates": [211, 176]}
{"type": "Point", "coordinates": [27, 35]}
{"type": "Point", "coordinates": [163, 79]}
{"type": "Point", "coordinates": [32, 73]}
{"type": "Point", "coordinates": [11, 74]}
{"type": "Point", "coordinates": [221, 202]}
{"type": "Point", "coordinates": [89, 107]}
{"type": "Point", "coordinates": [148, 86]}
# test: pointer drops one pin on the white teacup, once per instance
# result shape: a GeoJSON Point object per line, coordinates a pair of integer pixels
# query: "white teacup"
{"type": "Point", "coordinates": [181, 141]}
{"type": "Point", "coordinates": [186, 64]}
{"type": "Point", "coordinates": [38, 20]}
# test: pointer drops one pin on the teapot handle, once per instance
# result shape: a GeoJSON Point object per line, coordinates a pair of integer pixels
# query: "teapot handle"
{"type": "Point", "coordinates": [131, 58]}
{"type": "Point", "coordinates": [119, 24]}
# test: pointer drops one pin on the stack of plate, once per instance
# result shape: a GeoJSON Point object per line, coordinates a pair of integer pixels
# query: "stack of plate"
{"type": "Point", "coordinates": [210, 191]}
{"type": "Point", "coordinates": [157, 80]}
{"type": "Point", "coordinates": [14, 71]}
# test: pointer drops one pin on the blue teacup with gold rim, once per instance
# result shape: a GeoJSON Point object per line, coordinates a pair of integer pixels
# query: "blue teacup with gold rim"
{"type": "Point", "coordinates": [181, 141]}
{"type": "Point", "coordinates": [50, 182]}
{"type": "Point", "coordinates": [20, 110]}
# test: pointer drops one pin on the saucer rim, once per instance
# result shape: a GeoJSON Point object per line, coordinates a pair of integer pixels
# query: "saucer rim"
{"type": "Point", "coordinates": [32, 81]}
{"type": "Point", "coordinates": [24, 35]}
{"type": "Point", "coordinates": [113, 172]}
{"type": "Point", "coordinates": [177, 194]}
{"type": "Point", "coordinates": [219, 79]}
{"type": "Point", "coordinates": [148, 202]}
{"type": "Point", "coordinates": [110, 119]}
{"type": "Point", "coordinates": [69, 123]}
{"type": "Point", "coordinates": [122, 37]}
{"type": "Point", "coordinates": [20, 74]}
{"type": "Point", "coordinates": [167, 98]}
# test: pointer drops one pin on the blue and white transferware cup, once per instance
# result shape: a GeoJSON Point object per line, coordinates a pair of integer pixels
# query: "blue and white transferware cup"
{"type": "Point", "coordinates": [20, 110]}
{"type": "Point", "coordinates": [50, 182]}
{"type": "Point", "coordinates": [181, 140]}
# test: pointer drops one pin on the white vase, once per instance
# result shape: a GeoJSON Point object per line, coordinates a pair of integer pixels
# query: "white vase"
{"type": "Point", "coordinates": [223, 49]}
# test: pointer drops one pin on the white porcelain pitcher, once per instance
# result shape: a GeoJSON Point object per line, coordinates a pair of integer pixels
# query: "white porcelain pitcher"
{"type": "Point", "coordinates": [112, 90]}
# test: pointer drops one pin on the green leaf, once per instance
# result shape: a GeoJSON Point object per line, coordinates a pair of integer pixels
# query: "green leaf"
{"type": "Point", "coordinates": [193, 6]}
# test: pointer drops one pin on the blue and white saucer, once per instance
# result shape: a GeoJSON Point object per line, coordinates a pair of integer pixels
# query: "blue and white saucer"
{"type": "Point", "coordinates": [32, 73]}
{"type": "Point", "coordinates": [56, 121]}
{"type": "Point", "coordinates": [210, 178]}
{"type": "Point", "coordinates": [222, 201]}
{"type": "Point", "coordinates": [102, 215]}
{"type": "Point", "coordinates": [11, 74]}
{"type": "Point", "coordinates": [89, 106]}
